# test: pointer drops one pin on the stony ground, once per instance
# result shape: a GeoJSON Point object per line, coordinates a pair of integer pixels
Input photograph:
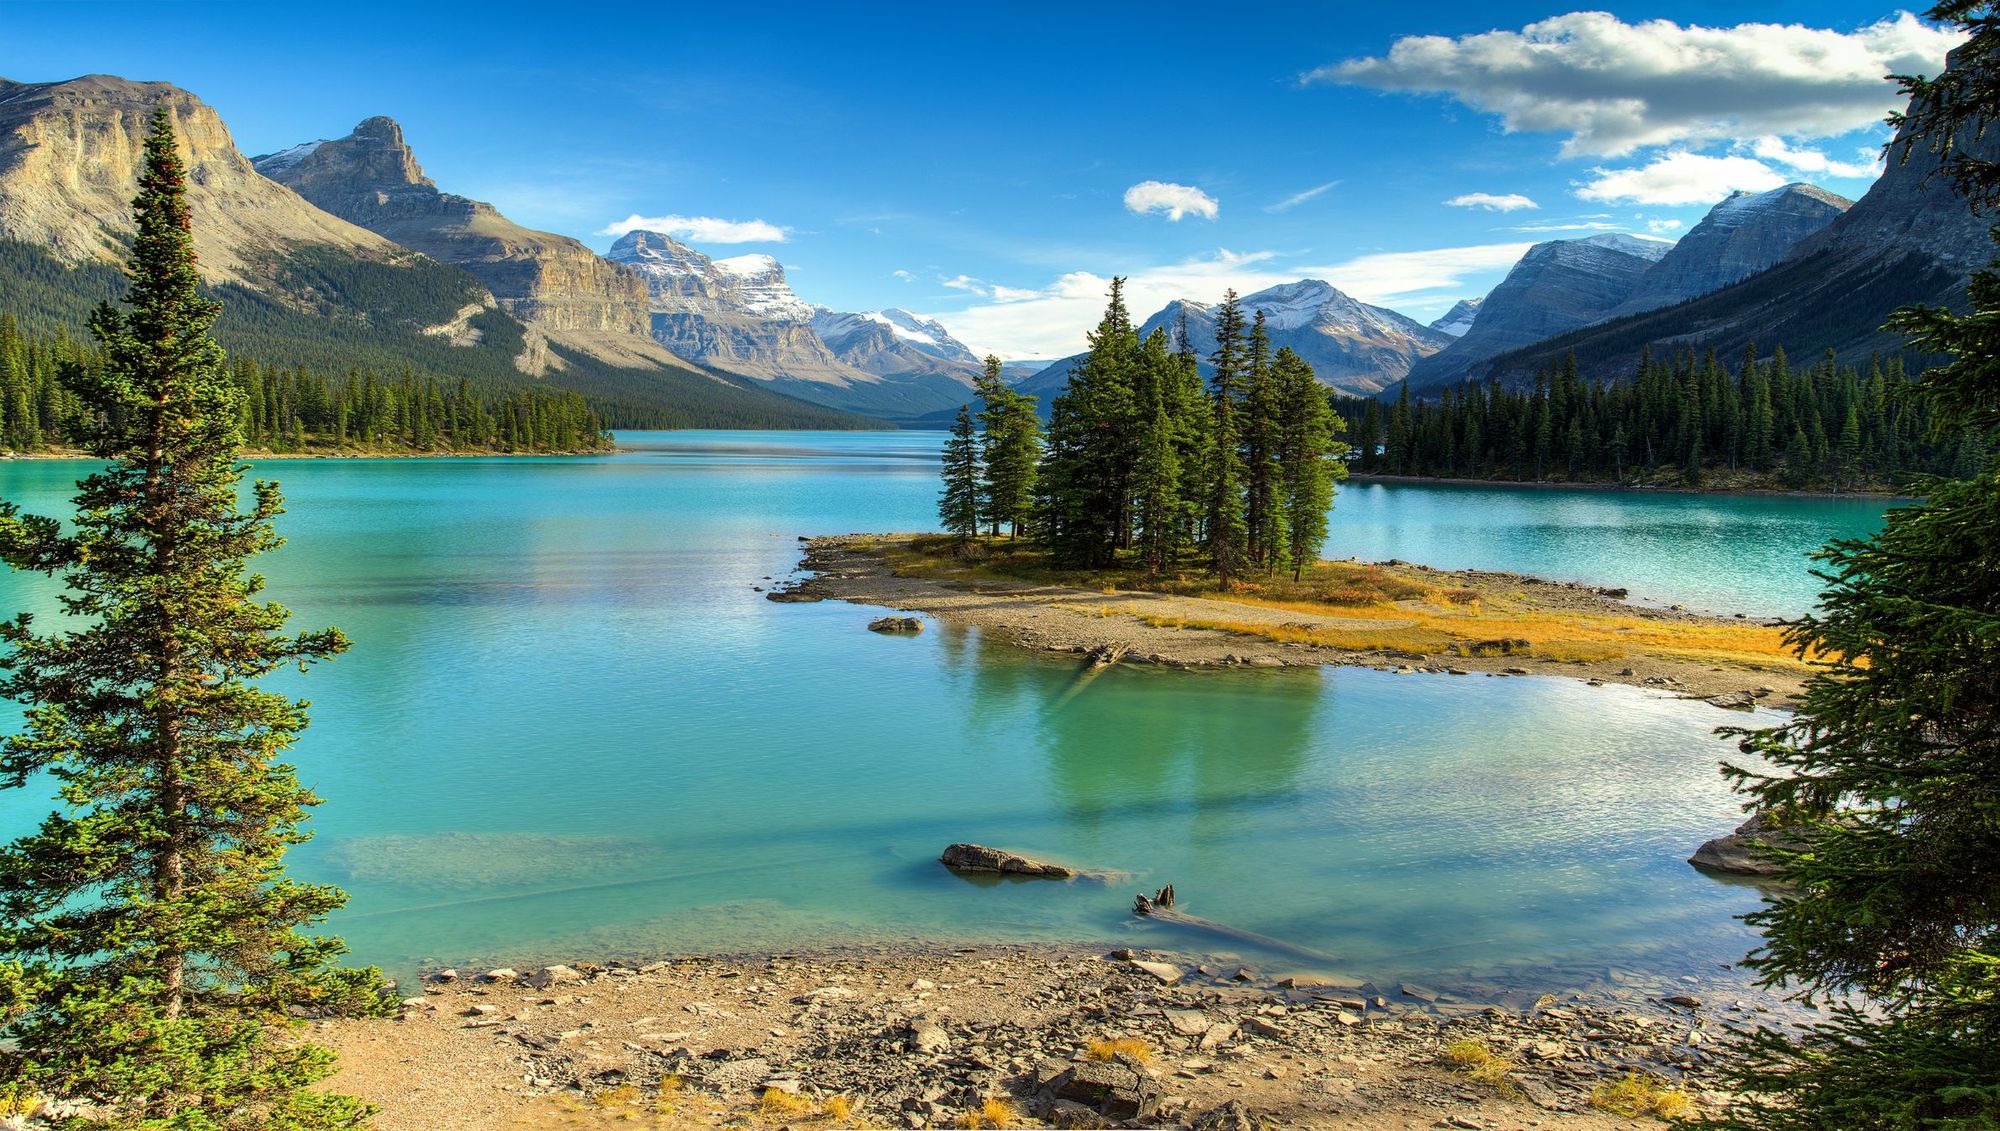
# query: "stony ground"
{"type": "Point", "coordinates": [1107, 622]}
{"type": "Point", "coordinates": [922, 1037]}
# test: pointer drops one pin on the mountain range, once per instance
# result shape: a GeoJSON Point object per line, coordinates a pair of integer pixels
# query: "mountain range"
{"type": "Point", "coordinates": [343, 253]}
{"type": "Point", "coordinates": [1352, 346]}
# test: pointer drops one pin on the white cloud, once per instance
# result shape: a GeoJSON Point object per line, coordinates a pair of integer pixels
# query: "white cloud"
{"type": "Point", "coordinates": [699, 229]}
{"type": "Point", "coordinates": [1051, 321]}
{"type": "Point", "coordinates": [1814, 161]}
{"type": "Point", "coordinates": [1298, 198]}
{"type": "Point", "coordinates": [1680, 177]}
{"type": "Point", "coordinates": [1662, 227]}
{"type": "Point", "coordinates": [965, 283]}
{"type": "Point", "coordinates": [1509, 202]}
{"type": "Point", "coordinates": [1175, 201]}
{"type": "Point", "coordinates": [1583, 225]}
{"type": "Point", "coordinates": [1614, 87]}
{"type": "Point", "coordinates": [905, 276]}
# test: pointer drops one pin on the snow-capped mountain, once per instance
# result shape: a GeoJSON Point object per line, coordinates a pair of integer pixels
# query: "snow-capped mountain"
{"type": "Point", "coordinates": [1745, 234]}
{"type": "Point", "coordinates": [858, 332]}
{"type": "Point", "coordinates": [1458, 319]}
{"type": "Point", "coordinates": [1557, 286]}
{"type": "Point", "coordinates": [740, 314]}
{"type": "Point", "coordinates": [1352, 346]}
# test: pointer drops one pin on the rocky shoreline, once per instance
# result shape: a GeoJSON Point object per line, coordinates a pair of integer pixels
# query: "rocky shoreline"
{"type": "Point", "coordinates": [923, 1036]}
{"type": "Point", "coordinates": [1151, 628]}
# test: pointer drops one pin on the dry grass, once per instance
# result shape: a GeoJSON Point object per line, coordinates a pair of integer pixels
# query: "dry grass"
{"type": "Point", "coordinates": [1361, 607]}
{"type": "Point", "coordinates": [785, 1105]}
{"type": "Point", "coordinates": [994, 1112]}
{"type": "Point", "coordinates": [1481, 1064]}
{"type": "Point", "coordinates": [672, 1109]}
{"type": "Point", "coordinates": [1637, 1094]}
{"type": "Point", "coordinates": [1111, 1048]}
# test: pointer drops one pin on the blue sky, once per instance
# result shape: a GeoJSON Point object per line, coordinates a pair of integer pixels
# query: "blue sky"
{"type": "Point", "coordinates": [992, 165]}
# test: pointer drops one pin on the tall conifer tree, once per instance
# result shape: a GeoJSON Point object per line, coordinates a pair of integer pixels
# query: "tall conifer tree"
{"type": "Point", "coordinates": [1225, 521]}
{"type": "Point", "coordinates": [153, 944]}
{"type": "Point", "coordinates": [958, 502]}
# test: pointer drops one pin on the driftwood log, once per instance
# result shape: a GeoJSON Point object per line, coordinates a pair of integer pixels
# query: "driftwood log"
{"type": "Point", "coordinates": [1160, 906]}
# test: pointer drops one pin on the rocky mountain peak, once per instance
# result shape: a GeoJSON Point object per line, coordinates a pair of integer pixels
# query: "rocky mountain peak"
{"type": "Point", "coordinates": [1745, 233]}
{"type": "Point", "coordinates": [70, 154]}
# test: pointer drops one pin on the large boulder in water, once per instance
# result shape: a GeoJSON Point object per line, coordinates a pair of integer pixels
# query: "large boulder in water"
{"type": "Point", "coordinates": [979, 858]}
{"type": "Point", "coordinates": [1745, 852]}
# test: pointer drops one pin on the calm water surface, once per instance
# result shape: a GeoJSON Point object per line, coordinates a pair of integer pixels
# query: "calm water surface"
{"type": "Point", "coordinates": [570, 727]}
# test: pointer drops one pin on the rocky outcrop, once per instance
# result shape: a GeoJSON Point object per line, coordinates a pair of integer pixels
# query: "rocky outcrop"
{"type": "Point", "coordinates": [1557, 286]}
{"type": "Point", "coordinates": [1745, 234]}
{"type": "Point", "coordinates": [1746, 852]}
{"type": "Point", "coordinates": [979, 858]}
{"type": "Point", "coordinates": [70, 154]}
{"type": "Point", "coordinates": [1352, 346]}
{"type": "Point", "coordinates": [896, 626]}
{"type": "Point", "coordinates": [552, 282]}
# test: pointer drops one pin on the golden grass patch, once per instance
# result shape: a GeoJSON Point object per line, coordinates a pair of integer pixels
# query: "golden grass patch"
{"type": "Point", "coordinates": [1636, 1094]}
{"type": "Point", "coordinates": [1111, 1048]}
{"type": "Point", "coordinates": [994, 1112]}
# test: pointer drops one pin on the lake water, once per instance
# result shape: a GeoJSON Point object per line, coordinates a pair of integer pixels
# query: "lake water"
{"type": "Point", "coordinates": [570, 727]}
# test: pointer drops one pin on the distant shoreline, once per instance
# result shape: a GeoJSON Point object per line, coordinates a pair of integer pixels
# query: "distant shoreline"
{"type": "Point", "coordinates": [261, 456]}
{"type": "Point", "coordinates": [1630, 488]}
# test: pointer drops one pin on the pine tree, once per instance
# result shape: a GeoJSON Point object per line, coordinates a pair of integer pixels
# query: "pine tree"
{"type": "Point", "coordinates": [1094, 431]}
{"type": "Point", "coordinates": [153, 945]}
{"type": "Point", "coordinates": [1225, 520]}
{"type": "Point", "coordinates": [1888, 770]}
{"type": "Point", "coordinates": [1310, 459]}
{"type": "Point", "coordinates": [1158, 505]}
{"type": "Point", "coordinates": [1011, 446]}
{"type": "Point", "coordinates": [958, 503]}
{"type": "Point", "coordinates": [1261, 518]}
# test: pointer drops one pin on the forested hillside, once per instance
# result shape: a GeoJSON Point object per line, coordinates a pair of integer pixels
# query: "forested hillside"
{"type": "Point", "coordinates": [1689, 420]}
{"type": "Point", "coordinates": [294, 409]}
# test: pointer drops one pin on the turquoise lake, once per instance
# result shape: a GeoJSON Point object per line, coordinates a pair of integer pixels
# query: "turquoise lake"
{"type": "Point", "coordinates": [570, 728]}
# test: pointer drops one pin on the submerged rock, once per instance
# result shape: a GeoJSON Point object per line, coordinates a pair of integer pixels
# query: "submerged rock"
{"type": "Point", "coordinates": [1745, 851]}
{"type": "Point", "coordinates": [979, 858]}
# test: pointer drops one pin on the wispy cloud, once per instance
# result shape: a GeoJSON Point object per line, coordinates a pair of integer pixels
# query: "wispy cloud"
{"type": "Point", "coordinates": [905, 276]}
{"type": "Point", "coordinates": [1815, 162]}
{"type": "Point", "coordinates": [1171, 200]}
{"type": "Point", "coordinates": [1614, 87]}
{"type": "Point", "coordinates": [700, 229]}
{"type": "Point", "coordinates": [1585, 225]}
{"type": "Point", "coordinates": [1298, 198]}
{"type": "Point", "coordinates": [1491, 202]}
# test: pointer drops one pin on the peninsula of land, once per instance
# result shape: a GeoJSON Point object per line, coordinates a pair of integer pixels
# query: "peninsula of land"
{"type": "Point", "coordinates": [1394, 616]}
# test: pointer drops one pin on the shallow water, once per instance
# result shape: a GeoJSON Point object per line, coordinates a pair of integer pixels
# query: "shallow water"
{"type": "Point", "coordinates": [570, 727]}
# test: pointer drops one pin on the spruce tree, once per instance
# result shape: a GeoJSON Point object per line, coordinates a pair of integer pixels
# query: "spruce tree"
{"type": "Point", "coordinates": [1158, 506]}
{"type": "Point", "coordinates": [1011, 446]}
{"type": "Point", "coordinates": [154, 949]}
{"type": "Point", "coordinates": [958, 502]}
{"type": "Point", "coordinates": [1310, 460]}
{"type": "Point", "coordinates": [1262, 520]}
{"type": "Point", "coordinates": [1890, 770]}
{"type": "Point", "coordinates": [1225, 520]}
{"type": "Point", "coordinates": [1094, 432]}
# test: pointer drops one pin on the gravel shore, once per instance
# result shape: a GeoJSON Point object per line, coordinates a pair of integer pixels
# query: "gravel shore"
{"type": "Point", "coordinates": [914, 1036]}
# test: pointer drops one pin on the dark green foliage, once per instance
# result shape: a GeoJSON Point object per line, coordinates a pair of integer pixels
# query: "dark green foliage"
{"type": "Point", "coordinates": [1890, 770]}
{"type": "Point", "coordinates": [958, 503]}
{"type": "Point", "coordinates": [1143, 457]}
{"type": "Point", "coordinates": [154, 950]}
{"type": "Point", "coordinates": [1011, 448]}
{"type": "Point", "coordinates": [1758, 424]}
{"type": "Point", "coordinates": [1226, 525]}
{"type": "Point", "coordinates": [1309, 459]}
{"type": "Point", "coordinates": [1086, 478]}
{"type": "Point", "coordinates": [294, 410]}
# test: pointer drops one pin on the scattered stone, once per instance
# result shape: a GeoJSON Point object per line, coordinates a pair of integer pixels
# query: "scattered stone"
{"type": "Point", "coordinates": [1421, 993]}
{"type": "Point", "coordinates": [1232, 1116]}
{"type": "Point", "coordinates": [555, 976]}
{"type": "Point", "coordinates": [979, 858]}
{"type": "Point", "coordinates": [896, 625]}
{"type": "Point", "coordinates": [1165, 971]}
{"type": "Point", "coordinates": [502, 974]}
{"type": "Point", "coordinates": [1734, 700]}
